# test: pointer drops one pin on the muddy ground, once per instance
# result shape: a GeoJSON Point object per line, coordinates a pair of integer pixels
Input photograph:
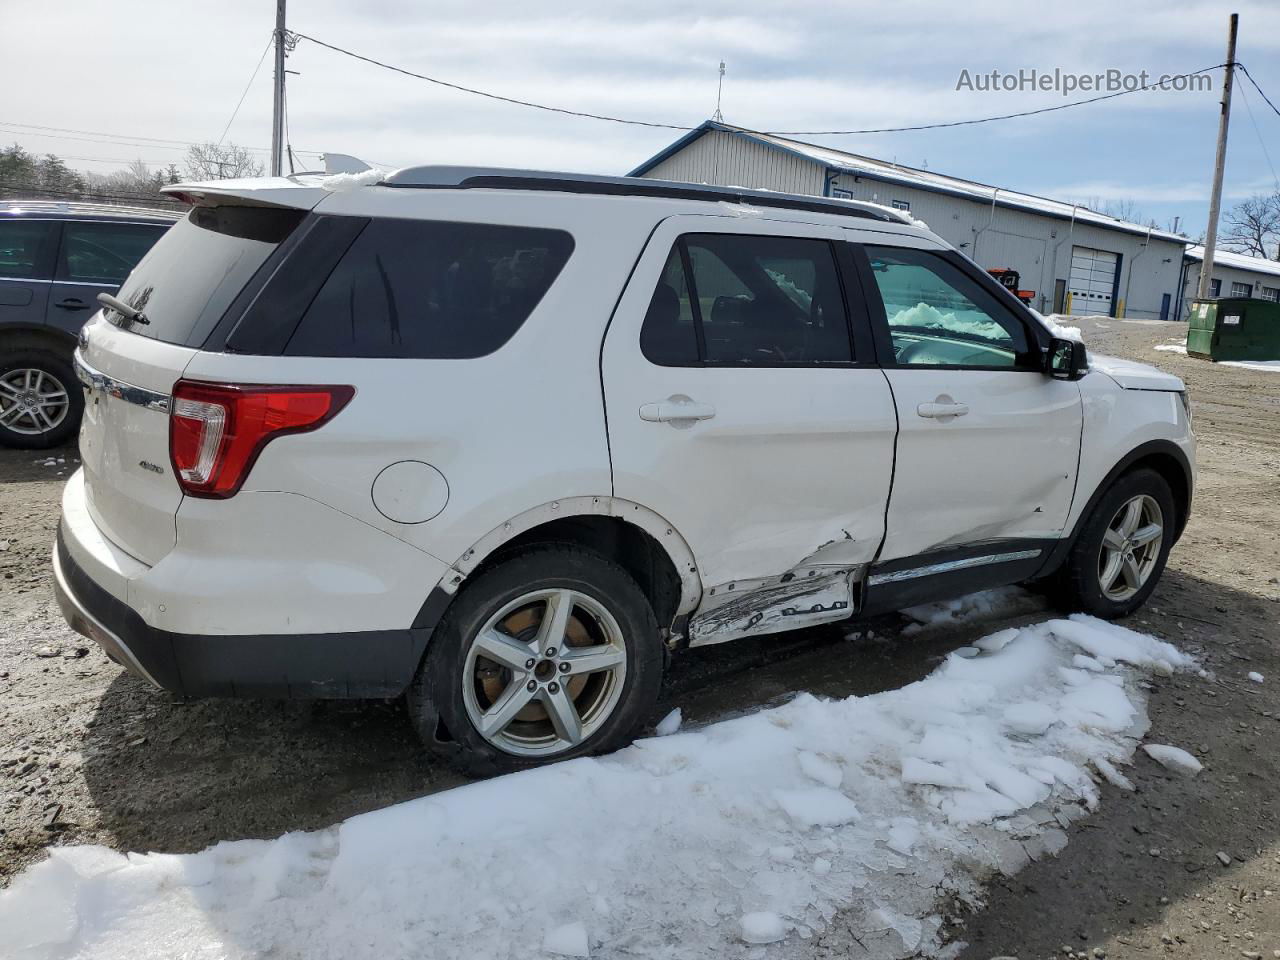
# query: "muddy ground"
{"type": "Point", "coordinates": [91, 755]}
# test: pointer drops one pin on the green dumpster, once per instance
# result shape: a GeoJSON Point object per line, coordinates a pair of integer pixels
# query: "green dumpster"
{"type": "Point", "coordinates": [1234, 328]}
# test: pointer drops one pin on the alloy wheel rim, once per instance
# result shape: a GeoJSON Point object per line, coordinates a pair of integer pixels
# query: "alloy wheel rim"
{"type": "Point", "coordinates": [544, 673]}
{"type": "Point", "coordinates": [1130, 547]}
{"type": "Point", "coordinates": [32, 401]}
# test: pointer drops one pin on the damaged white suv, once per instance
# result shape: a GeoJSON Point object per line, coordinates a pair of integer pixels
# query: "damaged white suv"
{"type": "Point", "coordinates": [500, 440]}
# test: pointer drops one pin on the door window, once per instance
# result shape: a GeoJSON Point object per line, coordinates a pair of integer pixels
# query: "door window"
{"type": "Point", "coordinates": [939, 316]}
{"type": "Point", "coordinates": [103, 253]}
{"type": "Point", "coordinates": [734, 299]}
{"type": "Point", "coordinates": [24, 248]}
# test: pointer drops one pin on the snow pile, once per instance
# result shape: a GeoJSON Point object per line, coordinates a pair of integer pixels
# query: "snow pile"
{"type": "Point", "coordinates": [1172, 348]}
{"type": "Point", "coordinates": [1270, 366]}
{"type": "Point", "coordinates": [342, 182]}
{"type": "Point", "coordinates": [693, 845]}
{"type": "Point", "coordinates": [1059, 330]}
{"type": "Point", "coordinates": [927, 316]}
{"type": "Point", "coordinates": [1256, 677]}
{"type": "Point", "coordinates": [1173, 758]}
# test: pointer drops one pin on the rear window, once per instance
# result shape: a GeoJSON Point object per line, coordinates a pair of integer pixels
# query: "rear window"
{"type": "Point", "coordinates": [190, 277]}
{"type": "Point", "coordinates": [431, 289]}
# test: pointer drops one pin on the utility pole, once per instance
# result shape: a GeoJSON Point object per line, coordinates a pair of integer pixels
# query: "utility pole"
{"type": "Point", "coordinates": [277, 111]}
{"type": "Point", "coordinates": [1219, 162]}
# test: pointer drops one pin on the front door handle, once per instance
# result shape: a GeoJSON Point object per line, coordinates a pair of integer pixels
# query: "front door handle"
{"type": "Point", "coordinates": [677, 409]}
{"type": "Point", "coordinates": [944, 408]}
{"type": "Point", "coordinates": [72, 303]}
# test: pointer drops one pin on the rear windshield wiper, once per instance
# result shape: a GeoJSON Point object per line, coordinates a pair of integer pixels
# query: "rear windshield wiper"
{"type": "Point", "coordinates": [132, 314]}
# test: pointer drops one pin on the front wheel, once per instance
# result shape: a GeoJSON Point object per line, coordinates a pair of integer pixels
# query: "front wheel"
{"type": "Point", "coordinates": [551, 653]}
{"type": "Point", "coordinates": [1120, 553]}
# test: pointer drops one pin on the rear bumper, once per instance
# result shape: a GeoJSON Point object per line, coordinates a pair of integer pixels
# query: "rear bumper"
{"type": "Point", "coordinates": [376, 663]}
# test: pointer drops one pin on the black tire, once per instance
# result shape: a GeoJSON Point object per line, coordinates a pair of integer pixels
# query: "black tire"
{"type": "Point", "coordinates": [54, 366]}
{"type": "Point", "coordinates": [436, 697]}
{"type": "Point", "coordinates": [1080, 581]}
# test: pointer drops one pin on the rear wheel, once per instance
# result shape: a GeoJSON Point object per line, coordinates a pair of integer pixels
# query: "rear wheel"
{"type": "Point", "coordinates": [1117, 560]}
{"type": "Point", "coordinates": [551, 653]}
{"type": "Point", "coordinates": [40, 401]}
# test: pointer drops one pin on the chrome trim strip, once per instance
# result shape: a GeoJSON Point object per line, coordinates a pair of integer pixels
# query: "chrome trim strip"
{"type": "Point", "coordinates": [92, 379]}
{"type": "Point", "coordinates": [951, 566]}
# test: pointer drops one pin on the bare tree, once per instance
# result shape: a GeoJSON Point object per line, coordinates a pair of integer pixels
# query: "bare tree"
{"type": "Point", "coordinates": [212, 161]}
{"type": "Point", "coordinates": [1253, 227]}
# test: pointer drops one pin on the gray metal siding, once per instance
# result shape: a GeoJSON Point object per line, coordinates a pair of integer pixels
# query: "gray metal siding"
{"type": "Point", "coordinates": [1228, 276]}
{"type": "Point", "coordinates": [724, 159]}
{"type": "Point", "coordinates": [1037, 246]}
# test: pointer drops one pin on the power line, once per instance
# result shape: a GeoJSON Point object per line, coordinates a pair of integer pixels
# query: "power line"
{"type": "Point", "coordinates": [1262, 94]}
{"type": "Point", "coordinates": [27, 129]}
{"type": "Point", "coordinates": [252, 77]}
{"type": "Point", "coordinates": [1261, 143]}
{"type": "Point", "coordinates": [1003, 116]}
{"type": "Point", "coordinates": [676, 126]}
{"type": "Point", "coordinates": [491, 96]}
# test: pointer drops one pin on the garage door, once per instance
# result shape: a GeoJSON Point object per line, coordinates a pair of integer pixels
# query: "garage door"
{"type": "Point", "coordinates": [1093, 278]}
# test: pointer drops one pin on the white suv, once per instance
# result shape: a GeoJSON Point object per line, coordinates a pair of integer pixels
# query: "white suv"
{"type": "Point", "coordinates": [500, 441]}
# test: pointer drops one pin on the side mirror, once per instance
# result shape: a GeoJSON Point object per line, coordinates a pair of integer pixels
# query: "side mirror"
{"type": "Point", "coordinates": [1066, 359]}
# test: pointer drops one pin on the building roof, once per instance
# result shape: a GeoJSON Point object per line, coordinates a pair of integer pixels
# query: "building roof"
{"type": "Point", "coordinates": [1238, 261]}
{"type": "Point", "coordinates": [860, 166]}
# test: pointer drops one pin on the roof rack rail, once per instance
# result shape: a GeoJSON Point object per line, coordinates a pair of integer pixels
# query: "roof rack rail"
{"type": "Point", "coordinates": [455, 178]}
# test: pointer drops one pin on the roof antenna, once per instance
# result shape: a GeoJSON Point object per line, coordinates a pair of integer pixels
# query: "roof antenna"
{"type": "Point", "coordinates": [718, 117]}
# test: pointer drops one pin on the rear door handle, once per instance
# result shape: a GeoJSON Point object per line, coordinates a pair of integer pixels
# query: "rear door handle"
{"type": "Point", "coordinates": [676, 410]}
{"type": "Point", "coordinates": [72, 303]}
{"type": "Point", "coordinates": [942, 411]}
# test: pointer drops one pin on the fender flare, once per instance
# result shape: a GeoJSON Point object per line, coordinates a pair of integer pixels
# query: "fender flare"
{"type": "Point", "coordinates": [1140, 452]}
{"type": "Point", "coordinates": [638, 515]}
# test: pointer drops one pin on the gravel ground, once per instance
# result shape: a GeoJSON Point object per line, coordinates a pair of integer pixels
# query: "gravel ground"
{"type": "Point", "coordinates": [89, 754]}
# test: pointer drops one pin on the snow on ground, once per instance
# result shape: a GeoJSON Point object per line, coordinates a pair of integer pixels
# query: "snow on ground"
{"type": "Point", "coordinates": [1272, 366]}
{"type": "Point", "coordinates": [987, 604]}
{"type": "Point", "coordinates": [693, 845]}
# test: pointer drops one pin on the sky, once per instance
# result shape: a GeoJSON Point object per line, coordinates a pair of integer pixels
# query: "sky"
{"type": "Point", "coordinates": [174, 71]}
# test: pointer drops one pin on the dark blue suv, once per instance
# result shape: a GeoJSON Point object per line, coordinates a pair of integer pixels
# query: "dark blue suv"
{"type": "Point", "coordinates": [55, 258]}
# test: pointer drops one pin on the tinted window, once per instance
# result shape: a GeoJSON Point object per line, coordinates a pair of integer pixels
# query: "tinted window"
{"type": "Point", "coordinates": [746, 299]}
{"type": "Point", "coordinates": [417, 288]}
{"type": "Point", "coordinates": [668, 337]}
{"type": "Point", "coordinates": [23, 248]}
{"type": "Point", "coordinates": [939, 316]}
{"type": "Point", "coordinates": [103, 253]}
{"type": "Point", "coordinates": [192, 274]}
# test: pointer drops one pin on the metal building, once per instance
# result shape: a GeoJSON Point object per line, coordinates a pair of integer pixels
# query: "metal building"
{"type": "Point", "coordinates": [1234, 275]}
{"type": "Point", "coordinates": [1076, 260]}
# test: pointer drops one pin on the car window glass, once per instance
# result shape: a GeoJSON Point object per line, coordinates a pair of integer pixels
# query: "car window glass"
{"type": "Point", "coordinates": [431, 289]}
{"type": "Point", "coordinates": [668, 337]}
{"type": "Point", "coordinates": [768, 300]}
{"type": "Point", "coordinates": [103, 253]}
{"type": "Point", "coordinates": [22, 244]}
{"type": "Point", "coordinates": [938, 316]}
{"type": "Point", "coordinates": [749, 300]}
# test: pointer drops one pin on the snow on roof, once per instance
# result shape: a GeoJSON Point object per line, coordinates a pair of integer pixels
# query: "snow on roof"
{"type": "Point", "coordinates": [858, 165]}
{"type": "Point", "coordinates": [1239, 261]}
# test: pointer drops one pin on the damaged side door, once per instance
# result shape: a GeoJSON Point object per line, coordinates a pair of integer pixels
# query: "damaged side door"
{"type": "Point", "coordinates": [745, 406]}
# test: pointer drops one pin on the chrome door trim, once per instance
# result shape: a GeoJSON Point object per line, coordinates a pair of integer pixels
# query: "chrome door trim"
{"type": "Point", "coordinates": [951, 566]}
{"type": "Point", "coordinates": [92, 379]}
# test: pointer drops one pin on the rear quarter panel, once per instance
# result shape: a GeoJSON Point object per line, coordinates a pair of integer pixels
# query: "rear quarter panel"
{"type": "Point", "coordinates": [510, 431]}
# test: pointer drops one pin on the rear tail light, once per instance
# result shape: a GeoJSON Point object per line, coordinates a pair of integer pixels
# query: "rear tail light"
{"type": "Point", "coordinates": [217, 430]}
